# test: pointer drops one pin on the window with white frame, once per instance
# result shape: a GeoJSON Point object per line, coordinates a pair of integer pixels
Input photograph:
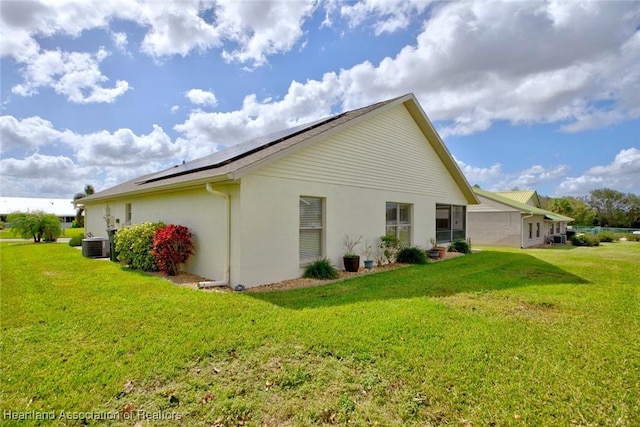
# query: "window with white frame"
{"type": "Point", "coordinates": [537, 229]}
{"type": "Point", "coordinates": [127, 213]}
{"type": "Point", "coordinates": [531, 230]}
{"type": "Point", "coordinates": [311, 211]}
{"type": "Point", "coordinates": [398, 221]}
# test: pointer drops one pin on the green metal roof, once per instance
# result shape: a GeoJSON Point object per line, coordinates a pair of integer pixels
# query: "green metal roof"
{"type": "Point", "coordinates": [522, 196]}
{"type": "Point", "coordinates": [523, 207]}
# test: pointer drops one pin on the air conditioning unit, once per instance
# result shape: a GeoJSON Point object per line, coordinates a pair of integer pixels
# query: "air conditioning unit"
{"type": "Point", "coordinates": [95, 247]}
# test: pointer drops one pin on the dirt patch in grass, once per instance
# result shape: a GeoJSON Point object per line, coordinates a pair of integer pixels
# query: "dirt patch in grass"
{"type": "Point", "coordinates": [492, 305]}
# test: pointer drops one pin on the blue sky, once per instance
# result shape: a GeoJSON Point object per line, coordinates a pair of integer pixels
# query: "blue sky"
{"type": "Point", "coordinates": [529, 95]}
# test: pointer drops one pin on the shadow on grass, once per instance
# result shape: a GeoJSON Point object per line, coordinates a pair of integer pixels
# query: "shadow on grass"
{"type": "Point", "coordinates": [483, 271]}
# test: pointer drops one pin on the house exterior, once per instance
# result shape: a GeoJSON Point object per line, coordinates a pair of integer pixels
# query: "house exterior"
{"type": "Point", "coordinates": [262, 210]}
{"type": "Point", "coordinates": [513, 218]}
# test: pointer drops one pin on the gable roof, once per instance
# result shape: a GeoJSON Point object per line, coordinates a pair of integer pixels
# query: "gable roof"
{"type": "Point", "coordinates": [524, 196]}
{"type": "Point", "coordinates": [522, 207]}
{"type": "Point", "coordinates": [234, 162]}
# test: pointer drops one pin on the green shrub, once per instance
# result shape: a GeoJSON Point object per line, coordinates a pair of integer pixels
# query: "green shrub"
{"type": "Point", "coordinates": [75, 241]}
{"type": "Point", "coordinates": [321, 269]}
{"type": "Point", "coordinates": [135, 244]}
{"type": "Point", "coordinates": [607, 236]}
{"type": "Point", "coordinates": [461, 246]}
{"type": "Point", "coordinates": [411, 255]}
{"type": "Point", "coordinates": [632, 237]}
{"type": "Point", "coordinates": [585, 240]}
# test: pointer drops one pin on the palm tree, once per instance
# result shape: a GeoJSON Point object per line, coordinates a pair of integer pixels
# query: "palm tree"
{"type": "Point", "coordinates": [35, 225]}
{"type": "Point", "coordinates": [88, 190]}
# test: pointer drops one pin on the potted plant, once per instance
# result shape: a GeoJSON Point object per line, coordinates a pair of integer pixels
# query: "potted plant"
{"type": "Point", "coordinates": [368, 254]}
{"type": "Point", "coordinates": [436, 252]}
{"type": "Point", "coordinates": [351, 259]}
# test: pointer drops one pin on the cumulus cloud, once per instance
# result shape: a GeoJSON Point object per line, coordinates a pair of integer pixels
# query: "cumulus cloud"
{"type": "Point", "coordinates": [203, 132]}
{"type": "Point", "coordinates": [474, 64]}
{"type": "Point", "coordinates": [623, 173]}
{"type": "Point", "coordinates": [494, 178]}
{"type": "Point", "coordinates": [387, 16]}
{"type": "Point", "coordinates": [39, 166]}
{"type": "Point", "coordinates": [202, 97]}
{"type": "Point", "coordinates": [95, 157]}
{"type": "Point", "coordinates": [28, 134]}
{"type": "Point", "coordinates": [124, 148]}
{"type": "Point", "coordinates": [480, 175]}
{"type": "Point", "coordinates": [71, 74]}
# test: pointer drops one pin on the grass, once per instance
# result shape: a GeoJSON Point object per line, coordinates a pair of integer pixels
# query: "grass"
{"type": "Point", "coordinates": [502, 337]}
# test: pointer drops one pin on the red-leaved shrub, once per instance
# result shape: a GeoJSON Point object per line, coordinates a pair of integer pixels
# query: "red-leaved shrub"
{"type": "Point", "coordinates": [172, 246]}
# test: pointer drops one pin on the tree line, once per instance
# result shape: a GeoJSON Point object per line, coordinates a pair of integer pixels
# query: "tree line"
{"type": "Point", "coordinates": [602, 207]}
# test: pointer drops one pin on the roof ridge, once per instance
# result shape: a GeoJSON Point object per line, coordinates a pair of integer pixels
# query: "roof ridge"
{"type": "Point", "coordinates": [253, 146]}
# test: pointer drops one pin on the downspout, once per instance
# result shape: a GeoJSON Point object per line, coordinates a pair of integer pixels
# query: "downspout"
{"type": "Point", "coordinates": [522, 229]}
{"type": "Point", "coordinates": [227, 268]}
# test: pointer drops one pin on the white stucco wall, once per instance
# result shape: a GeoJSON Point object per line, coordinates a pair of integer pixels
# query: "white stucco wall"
{"type": "Point", "coordinates": [203, 213]}
{"type": "Point", "coordinates": [380, 160]}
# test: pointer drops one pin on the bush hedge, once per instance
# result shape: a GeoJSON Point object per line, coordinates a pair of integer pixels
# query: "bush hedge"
{"type": "Point", "coordinates": [607, 236]}
{"type": "Point", "coordinates": [75, 241]}
{"type": "Point", "coordinates": [585, 240]}
{"type": "Point", "coordinates": [135, 244]}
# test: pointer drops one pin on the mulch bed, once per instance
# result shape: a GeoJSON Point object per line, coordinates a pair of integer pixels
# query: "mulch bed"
{"type": "Point", "coordinates": [191, 280]}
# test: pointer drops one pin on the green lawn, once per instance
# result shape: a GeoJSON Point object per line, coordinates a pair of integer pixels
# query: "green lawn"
{"type": "Point", "coordinates": [501, 337]}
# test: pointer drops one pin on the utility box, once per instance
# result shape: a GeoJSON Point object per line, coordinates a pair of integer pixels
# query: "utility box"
{"type": "Point", "coordinates": [95, 247]}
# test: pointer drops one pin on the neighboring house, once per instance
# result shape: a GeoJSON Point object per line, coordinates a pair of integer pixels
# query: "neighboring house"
{"type": "Point", "coordinates": [513, 218]}
{"type": "Point", "coordinates": [62, 208]}
{"type": "Point", "coordinates": [263, 209]}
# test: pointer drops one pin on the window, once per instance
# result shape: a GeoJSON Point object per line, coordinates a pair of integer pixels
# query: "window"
{"type": "Point", "coordinates": [537, 229]}
{"type": "Point", "coordinates": [558, 228]}
{"type": "Point", "coordinates": [311, 228]}
{"type": "Point", "coordinates": [127, 214]}
{"type": "Point", "coordinates": [551, 230]}
{"type": "Point", "coordinates": [398, 221]}
{"type": "Point", "coordinates": [530, 230]}
{"type": "Point", "coordinates": [450, 223]}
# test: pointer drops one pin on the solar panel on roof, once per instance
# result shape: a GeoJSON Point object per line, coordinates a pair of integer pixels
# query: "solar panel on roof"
{"type": "Point", "coordinates": [219, 158]}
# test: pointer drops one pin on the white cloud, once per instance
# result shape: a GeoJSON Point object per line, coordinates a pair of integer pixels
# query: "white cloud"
{"type": "Point", "coordinates": [388, 16]}
{"type": "Point", "coordinates": [28, 134]}
{"type": "Point", "coordinates": [623, 174]}
{"type": "Point", "coordinates": [479, 175]}
{"type": "Point", "coordinates": [474, 64]}
{"type": "Point", "coordinates": [531, 177]}
{"type": "Point", "coordinates": [38, 166]}
{"type": "Point", "coordinates": [204, 132]}
{"type": "Point", "coordinates": [72, 74]}
{"type": "Point", "coordinates": [120, 41]}
{"type": "Point", "coordinates": [202, 97]}
{"type": "Point", "coordinates": [96, 158]}
{"type": "Point", "coordinates": [124, 148]}
{"type": "Point", "coordinates": [494, 178]}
